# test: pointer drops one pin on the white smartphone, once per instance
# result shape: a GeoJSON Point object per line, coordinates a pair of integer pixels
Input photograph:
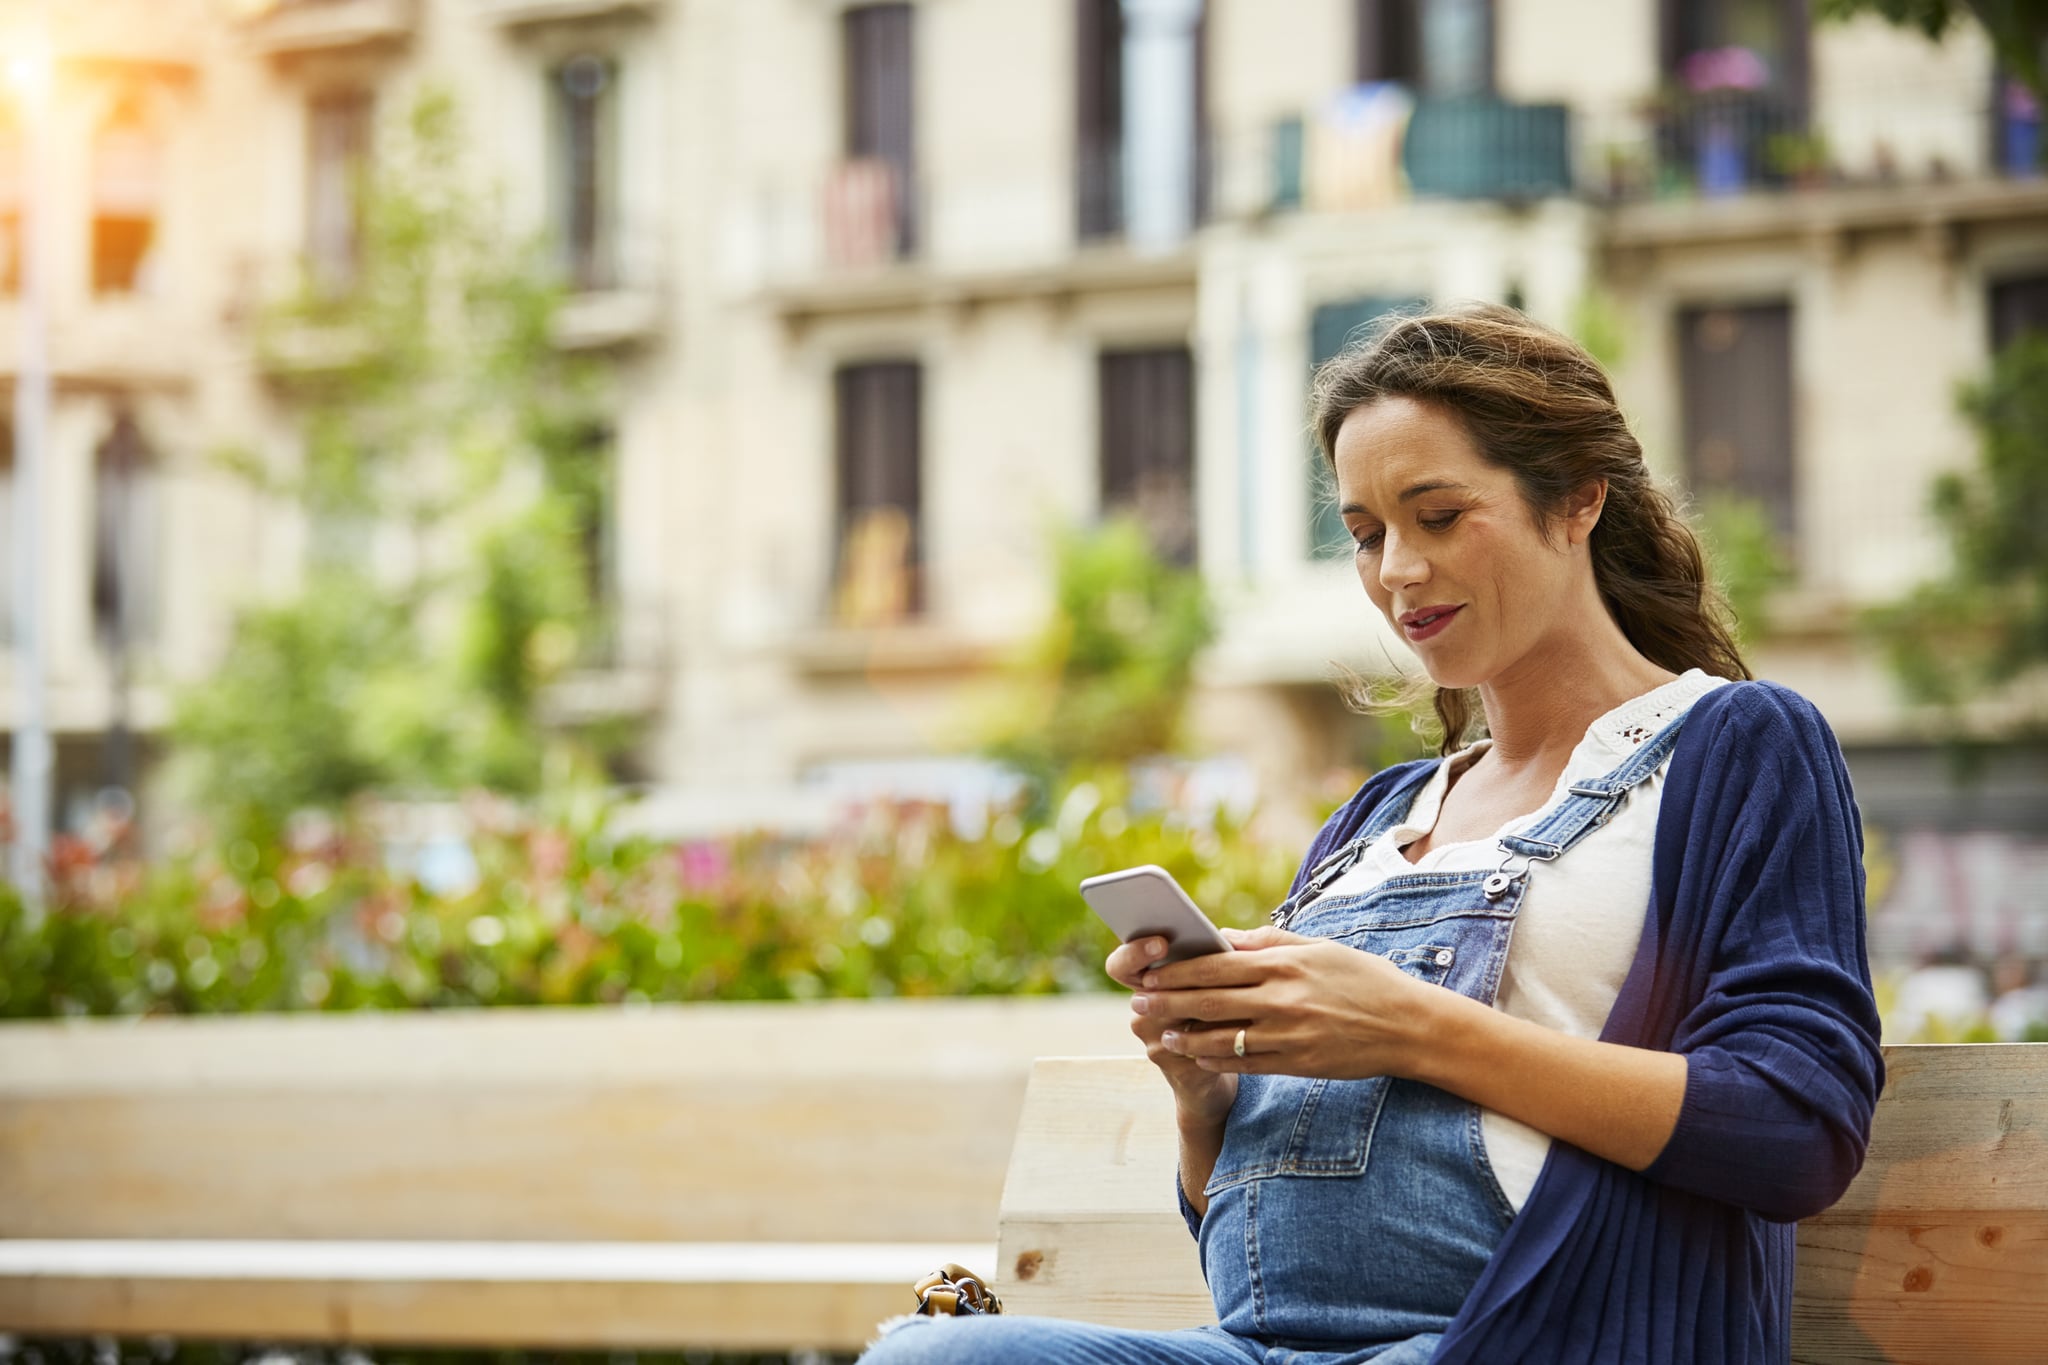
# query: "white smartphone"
{"type": "Point", "coordinates": [1142, 901]}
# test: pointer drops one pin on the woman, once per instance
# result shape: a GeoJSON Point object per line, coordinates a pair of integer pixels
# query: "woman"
{"type": "Point", "coordinates": [1611, 1031]}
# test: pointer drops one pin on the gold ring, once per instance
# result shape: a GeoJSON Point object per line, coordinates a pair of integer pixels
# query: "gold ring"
{"type": "Point", "coordinates": [1238, 1046]}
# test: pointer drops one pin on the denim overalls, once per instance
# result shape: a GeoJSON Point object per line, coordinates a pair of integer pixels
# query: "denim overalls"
{"type": "Point", "coordinates": [1355, 1212]}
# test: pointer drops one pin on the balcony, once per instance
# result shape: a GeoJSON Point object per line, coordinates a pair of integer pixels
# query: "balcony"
{"type": "Point", "coordinates": [1377, 146]}
{"type": "Point", "coordinates": [1725, 144]}
{"type": "Point", "coordinates": [290, 28]}
{"type": "Point", "coordinates": [525, 13]}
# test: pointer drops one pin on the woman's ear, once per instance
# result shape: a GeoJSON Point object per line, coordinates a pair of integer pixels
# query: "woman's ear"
{"type": "Point", "coordinates": [1582, 510]}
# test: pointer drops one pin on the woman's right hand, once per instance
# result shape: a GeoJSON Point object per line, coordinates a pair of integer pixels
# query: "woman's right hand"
{"type": "Point", "coordinates": [1201, 1097]}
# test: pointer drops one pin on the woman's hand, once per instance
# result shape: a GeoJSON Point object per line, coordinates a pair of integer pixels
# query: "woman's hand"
{"type": "Point", "coordinates": [1203, 1097]}
{"type": "Point", "coordinates": [1311, 1007]}
{"type": "Point", "coordinates": [1308, 1007]}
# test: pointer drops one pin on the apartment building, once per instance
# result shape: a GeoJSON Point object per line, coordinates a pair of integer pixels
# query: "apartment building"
{"type": "Point", "coordinates": [891, 289]}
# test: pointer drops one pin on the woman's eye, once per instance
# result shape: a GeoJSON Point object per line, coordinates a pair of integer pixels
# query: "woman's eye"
{"type": "Point", "coordinates": [1370, 541]}
{"type": "Point", "coordinates": [1440, 522]}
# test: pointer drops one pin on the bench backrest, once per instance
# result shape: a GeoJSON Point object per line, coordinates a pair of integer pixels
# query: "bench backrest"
{"type": "Point", "coordinates": [868, 1121]}
{"type": "Point", "coordinates": [1938, 1251]}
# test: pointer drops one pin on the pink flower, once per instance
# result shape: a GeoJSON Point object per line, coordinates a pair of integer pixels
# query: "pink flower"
{"type": "Point", "coordinates": [703, 864]}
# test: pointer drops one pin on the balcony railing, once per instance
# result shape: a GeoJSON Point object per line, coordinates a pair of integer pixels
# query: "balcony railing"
{"type": "Point", "coordinates": [1730, 142]}
{"type": "Point", "coordinates": [1035, 208]}
{"type": "Point", "coordinates": [1379, 146]}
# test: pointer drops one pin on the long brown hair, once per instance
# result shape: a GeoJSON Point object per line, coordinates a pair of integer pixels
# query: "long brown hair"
{"type": "Point", "coordinates": [1536, 404]}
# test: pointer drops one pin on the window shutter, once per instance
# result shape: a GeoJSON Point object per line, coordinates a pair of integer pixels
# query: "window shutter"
{"type": "Point", "coordinates": [881, 103]}
{"type": "Point", "coordinates": [1147, 445]}
{"type": "Point", "coordinates": [1736, 391]}
{"type": "Point", "coordinates": [878, 457]}
{"type": "Point", "coordinates": [2018, 307]}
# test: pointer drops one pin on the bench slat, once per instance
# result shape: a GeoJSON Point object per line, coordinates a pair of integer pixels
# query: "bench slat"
{"type": "Point", "coordinates": [533, 1314]}
{"type": "Point", "coordinates": [886, 1263]}
{"type": "Point", "coordinates": [849, 1121]}
{"type": "Point", "coordinates": [534, 1295]}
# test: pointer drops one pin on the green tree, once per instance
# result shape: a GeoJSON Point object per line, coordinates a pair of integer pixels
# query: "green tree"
{"type": "Point", "coordinates": [1984, 625]}
{"type": "Point", "coordinates": [1745, 557]}
{"type": "Point", "coordinates": [445, 479]}
{"type": "Point", "coordinates": [2018, 28]}
{"type": "Point", "coordinates": [1108, 678]}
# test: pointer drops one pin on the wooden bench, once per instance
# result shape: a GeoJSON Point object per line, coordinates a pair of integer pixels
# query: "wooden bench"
{"type": "Point", "coordinates": [745, 1177]}
{"type": "Point", "coordinates": [1937, 1253]}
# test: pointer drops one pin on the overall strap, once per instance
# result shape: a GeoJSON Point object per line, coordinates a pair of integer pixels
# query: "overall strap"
{"type": "Point", "coordinates": [1391, 808]}
{"type": "Point", "coordinates": [1590, 804]}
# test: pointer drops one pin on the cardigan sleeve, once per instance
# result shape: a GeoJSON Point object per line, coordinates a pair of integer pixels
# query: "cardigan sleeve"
{"type": "Point", "coordinates": [1781, 1041]}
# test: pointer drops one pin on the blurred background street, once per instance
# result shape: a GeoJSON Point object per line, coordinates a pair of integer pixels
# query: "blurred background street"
{"type": "Point", "coordinates": [645, 502]}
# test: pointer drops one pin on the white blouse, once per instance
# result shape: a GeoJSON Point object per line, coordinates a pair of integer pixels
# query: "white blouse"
{"type": "Point", "coordinates": [1582, 915]}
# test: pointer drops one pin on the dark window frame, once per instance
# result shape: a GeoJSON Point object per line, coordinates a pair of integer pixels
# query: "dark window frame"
{"type": "Point", "coordinates": [1738, 405]}
{"type": "Point", "coordinates": [124, 238]}
{"type": "Point", "coordinates": [878, 103]}
{"type": "Point", "coordinates": [878, 465]}
{"type": "Point", "coordinates": [583, 114]}
{"type": "Point", "coordinates": [339, 127]}
{"type": "Point", "coordinates": [1147, 444]}
{"type": "Point", "coordinates": [2016, 305]}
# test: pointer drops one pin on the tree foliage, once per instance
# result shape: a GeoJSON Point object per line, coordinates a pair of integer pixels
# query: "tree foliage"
{"type": "Point", "coordinates": [1745, 557]}
{"type": "Point", "coordinates": [1108, 678]}
{"type": "Point", "coordinates": [1984, 625]}
{"type": "Point", "coordinates": [445, 475]}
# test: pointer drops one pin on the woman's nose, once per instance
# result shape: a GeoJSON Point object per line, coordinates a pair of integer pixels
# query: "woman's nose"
{"type": "Point", "coordinates": [1402, 565]}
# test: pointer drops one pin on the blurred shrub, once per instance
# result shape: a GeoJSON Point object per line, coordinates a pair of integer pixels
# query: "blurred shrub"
{"type": "Point", "coordinates": [1745, 558]}
{"type": "Point", "coordinates": [1108, 677]}
{"type": "Point", "coordinates": [1983, 626]}
{"type": "Point", "coordinates": [556, 909]}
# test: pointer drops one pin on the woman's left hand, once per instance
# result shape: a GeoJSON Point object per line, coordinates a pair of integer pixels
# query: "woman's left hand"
{"type": "Point", "coordinates": [1308, 1006]}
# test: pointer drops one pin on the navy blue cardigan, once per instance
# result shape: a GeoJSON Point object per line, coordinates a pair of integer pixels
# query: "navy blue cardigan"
{"type": "Point", "coordinates": [1753, 967]}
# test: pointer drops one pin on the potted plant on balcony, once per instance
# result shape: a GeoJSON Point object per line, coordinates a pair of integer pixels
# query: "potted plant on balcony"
{"type": "Point", "coordinates": [1801, 159]}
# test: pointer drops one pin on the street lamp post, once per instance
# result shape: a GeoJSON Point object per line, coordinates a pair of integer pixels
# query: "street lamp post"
{"type": "Point", "coordinates": [30, 74]}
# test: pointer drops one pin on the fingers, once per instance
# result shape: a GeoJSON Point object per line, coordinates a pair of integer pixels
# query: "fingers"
{"type": "Point", "coordinates": [1239, 1002]}
{"type": "Point", "coordinates": [1214, 969]}
{"type": "Point", "coordinates": [1208, 1042]}
{"type": "Point", "coordinates": [1128, 961]}
{"type": "Point", "coordinates": [1264, 936]}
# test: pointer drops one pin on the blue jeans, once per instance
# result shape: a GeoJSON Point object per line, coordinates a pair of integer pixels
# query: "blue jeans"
{"type": "Point", "coordinates": [1055, 1341]}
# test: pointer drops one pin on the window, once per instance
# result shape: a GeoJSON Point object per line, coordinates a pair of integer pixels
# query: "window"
{"type": "Point", "coordinates": [2018, 307]}
{"type": "Point", "coordinates": [879, 551]}
{"type": "Point", "coordinates": [1146, 420]}
{"type": "Point", "coordinates": [127, 174]}
{"type": "Point", "coordinates": [1735, 390]}
{"type": "Point", "coordinates": [7, 542]}
{"type": "Point", "coordinates": [881, 121]}
{"type": "Point", "coordinates": [337, 159]}
{"type": "Point", "coordinates": [1101, 148]}
{"type": "Point", "coordinates": [1438, 48]}
{"type": "Point", "coordinates": [125, 525]}
{"type": "Point", "coordinates": [1332, 327]}
{"type": "Point", "coordinates": [587, 480]}
{"type": "Point", "coordinates": [10, 201]}
{"type": "Point", "coordinates": [585, 169]}
{"type": "Point", "coordinates": [1099, 117]}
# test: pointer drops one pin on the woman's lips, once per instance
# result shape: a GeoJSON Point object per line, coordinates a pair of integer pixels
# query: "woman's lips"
{"type": "Point", "coordinates": [1420, 625]}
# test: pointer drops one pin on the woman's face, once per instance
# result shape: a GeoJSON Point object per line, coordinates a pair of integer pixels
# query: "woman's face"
{"type": "Point", "coordinates": [1447, 548]}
